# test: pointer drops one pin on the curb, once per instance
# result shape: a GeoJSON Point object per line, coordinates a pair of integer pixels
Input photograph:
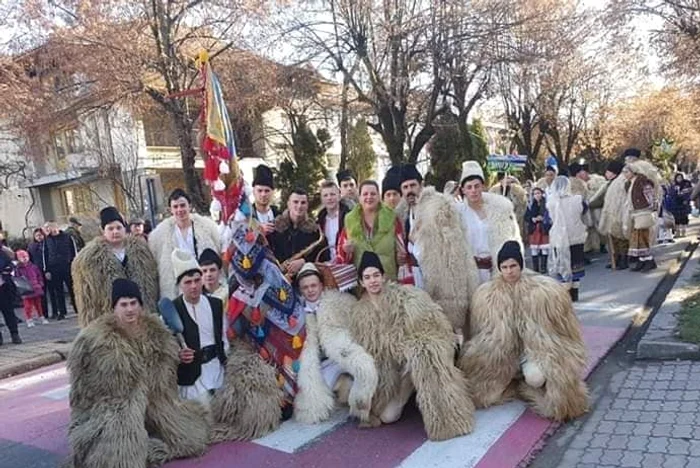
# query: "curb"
{"type": "Point", "coordinates": [660, 341]}
{"type": "Point", "coordinates": [57, 355]}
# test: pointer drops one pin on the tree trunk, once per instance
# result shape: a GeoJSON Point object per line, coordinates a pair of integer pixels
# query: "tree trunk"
{"type": "Point", "coordinates": [183, 129]}
{"type": "Point", "coordinates": [344, 118]}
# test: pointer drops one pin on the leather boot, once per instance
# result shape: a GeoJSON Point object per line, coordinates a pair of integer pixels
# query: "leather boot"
{"type": "Point", "coordinates": [1, 341]}
{"type": "Point", "coordinates": [648, 265]}
{"type": "Point", "coordinates": [536, 263]}
{"type": "Point", "coordinates": [16, 339]}
{"type": "Point", "coordinates": [622, 263]}
{"type": "Point", "coordinates": [638, 266]}
{"type": "Point", "coordinates": [543, 264]}
{"type": "Point", "coordinates": [573, 292]}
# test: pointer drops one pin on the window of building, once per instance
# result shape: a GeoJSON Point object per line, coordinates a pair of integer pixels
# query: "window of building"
{"type": "Point", "coordinates": [77, 200]}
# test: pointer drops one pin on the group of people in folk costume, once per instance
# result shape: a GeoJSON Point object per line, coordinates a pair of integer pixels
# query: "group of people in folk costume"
{"type": "Point", "coordinates": [439, 304]}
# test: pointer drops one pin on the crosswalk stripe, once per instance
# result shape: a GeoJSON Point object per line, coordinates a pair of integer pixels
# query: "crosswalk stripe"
{"type": "Point", "coordinates": [292, 436]}
{"type": "Point", "coordinates": [24, 382]}
{"type": "Point", "coordinates": [57, 394]}
{"type": "Point", "coordinates": [466, 451]}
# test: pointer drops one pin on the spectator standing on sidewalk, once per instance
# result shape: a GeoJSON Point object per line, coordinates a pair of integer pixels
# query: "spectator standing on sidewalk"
{"type": "Point", "coordinates": [680, 192]}
{"type": "Point", "coordinates": [31, 302]}
{"type": "Point", "coordinates": [74, 231]}
{"type": "Point", "coordinates": [36, 249]}
{"type": "Point", "coordinates": [59, 252]}
{"type": "Point", "coordinates": [8, 293]}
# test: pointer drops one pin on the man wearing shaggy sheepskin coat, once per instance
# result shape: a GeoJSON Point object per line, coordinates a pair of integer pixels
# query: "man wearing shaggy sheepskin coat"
{"type": "Point", "coordinates": [125, 410]}
{"type": "Point", "coordinates": [183, 230]}
{"type": "Point", "coordinates": [613, 207]}
{"type": "Point", "coordinates": [488, 220]}
{"type": "Point", "coordinates": [439, 235]}
{"type": "Point", "coordinates": [509, 187]}
{"type": "Point", "coordinates": [411, 342]}
{"type": "Point", "coordinates": [112, 255]}
{"type": "Point", "coordinates": [333, 367]}
{"type": "Point", "coordinates": [525, 342]}
{"type": "Point", "coordinates": [644, 193]}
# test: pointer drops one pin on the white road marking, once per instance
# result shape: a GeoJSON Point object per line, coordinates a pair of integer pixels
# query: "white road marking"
{"type": "Point", "coordinates": [24, 382]}
{"type": "Point", "coordinates": [467, 451]}
{"type": "Point", "coordinates": [57, 394]}
{"type": "Point", "coordinates": [291, 436]}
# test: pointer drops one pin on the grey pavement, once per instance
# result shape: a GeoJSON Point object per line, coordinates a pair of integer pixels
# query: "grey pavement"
{"type": "Point", "coordinates": [42, 345]}
{"type": "Point", "coordinates": [614, 298]}
{"type": "Point", "coordinates": [661, 339]}
{"type": "Point", "coordinates": [650, 418]}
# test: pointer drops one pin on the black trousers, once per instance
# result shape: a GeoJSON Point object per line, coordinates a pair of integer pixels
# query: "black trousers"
{"type": "Point", "coordinates": [59, 278]}
{"type": "Point", "coordinates": [7, 306]}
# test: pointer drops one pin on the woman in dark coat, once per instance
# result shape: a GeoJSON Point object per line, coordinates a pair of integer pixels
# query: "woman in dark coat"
{"type": "Point", "coordinates": [680, 192]}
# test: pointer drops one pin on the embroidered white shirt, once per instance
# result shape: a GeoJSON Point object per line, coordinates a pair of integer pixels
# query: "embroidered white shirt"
{"type": "Point", "coordinates": [330, 230]}
{"type": "Point", "coordinates": [478, 237]}
{"type": "Point", "coordinates": [186, 241]}
{"type": "Point", "coordinates": [212, 376]}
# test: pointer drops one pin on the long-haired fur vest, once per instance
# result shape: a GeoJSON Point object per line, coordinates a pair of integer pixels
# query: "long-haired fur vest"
{"type": "Point", "coordinates": [95, 269]}
{"type": "Point", "coordinates": [532, 320]}
{"type": "Point", "coordinates": [408, 332]}
{"type": "Point", "coordinates": [441, 238]}
{"type": "Point", "coordinates": [327, 332]}
{"type": "Point", "coordinates": [125, 408]}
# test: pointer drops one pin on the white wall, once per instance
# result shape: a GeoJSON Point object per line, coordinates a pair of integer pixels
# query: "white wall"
{"type": "Point", "coordinates": [15, 202]}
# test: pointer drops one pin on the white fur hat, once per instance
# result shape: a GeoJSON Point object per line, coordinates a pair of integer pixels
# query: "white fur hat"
{"type": "Point", "coordinates": [470, 169]}
{"type": "Point", "coordinates": [183, 263]}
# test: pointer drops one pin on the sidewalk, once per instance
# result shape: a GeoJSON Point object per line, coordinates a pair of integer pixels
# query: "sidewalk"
{"type": "Point", "coordinates": [661, 340]}
{"type": "Point", "coordinates": [650, 419]}
{"type": "Point", "coordinates": [42, 345]}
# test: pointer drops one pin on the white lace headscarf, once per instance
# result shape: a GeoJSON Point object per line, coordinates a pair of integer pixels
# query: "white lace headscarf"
{"type": "Point", "coordinates": [559, 264]}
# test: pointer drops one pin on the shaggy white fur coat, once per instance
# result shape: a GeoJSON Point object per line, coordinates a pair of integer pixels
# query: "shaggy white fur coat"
{"type": "Point", "coordinates": [327, 332]}
{"type": "Point", "coordinates": [440, 237]}
{"type": "Point", "coordinates": [502, 227]}
{"type": "Point", "coordinates": [615, 210]}
{"type": "Point", "coordinates": [408, 333]}
{"type": "Point", "coordinates": [162, 242]}
{"type": "Point", "coordinates": [531, 320]}
{"type": "Point", "coordinates": [517, 196]}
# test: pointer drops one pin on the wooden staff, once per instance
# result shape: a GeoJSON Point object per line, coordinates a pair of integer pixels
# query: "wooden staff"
{"type": "Point", "coordinates": [611, 249]}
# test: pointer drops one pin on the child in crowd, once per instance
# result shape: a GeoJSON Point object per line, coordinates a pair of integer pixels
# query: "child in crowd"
{"type": "Point", "coordinates": [538, 225]}
{"type": "Point", "coordinates": [31, 301]}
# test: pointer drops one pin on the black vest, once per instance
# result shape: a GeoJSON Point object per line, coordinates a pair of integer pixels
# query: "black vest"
{"type": "Point", "coordinates": [187, 374]}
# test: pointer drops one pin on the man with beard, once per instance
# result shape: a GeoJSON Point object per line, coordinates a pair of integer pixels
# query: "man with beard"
{"type": "Point", "coordinates": [411, 187]}
{"type": "Point", "coordinates": [297, 239]}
